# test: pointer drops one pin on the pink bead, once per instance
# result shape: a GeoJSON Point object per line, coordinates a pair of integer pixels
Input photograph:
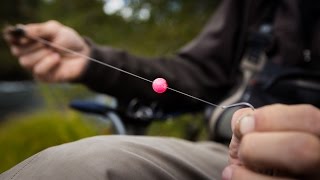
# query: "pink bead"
{"type": "Point", "coordinates": [159, 85]}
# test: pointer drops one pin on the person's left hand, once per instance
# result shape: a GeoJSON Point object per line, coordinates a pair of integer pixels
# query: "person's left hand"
{"type": "Point", "coordinates": [275, 142]}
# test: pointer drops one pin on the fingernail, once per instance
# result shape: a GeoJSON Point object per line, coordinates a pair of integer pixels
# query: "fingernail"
{"type": "Point", "coordinates": [247, 124]}
{"type": "Point", "coordinates": [227, 173]}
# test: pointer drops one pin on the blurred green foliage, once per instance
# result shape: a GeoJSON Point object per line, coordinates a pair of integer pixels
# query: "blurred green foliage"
{"type": "Point", "coordinates": [186, 126]}
{"type": "Point", "coordinates": [23, 136]}
{"type": "Point", "coordinates": [171, 24]}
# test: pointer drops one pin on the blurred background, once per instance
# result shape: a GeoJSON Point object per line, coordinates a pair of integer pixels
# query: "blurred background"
{"type": "Point", "coordinates": [34, 116]}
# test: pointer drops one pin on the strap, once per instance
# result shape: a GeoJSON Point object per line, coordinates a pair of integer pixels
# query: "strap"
{"type": "Point", "coordinates": [252, 63]}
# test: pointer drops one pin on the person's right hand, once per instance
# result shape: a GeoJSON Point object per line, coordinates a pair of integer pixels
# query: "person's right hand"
{"type": "Point", "coordinates": [46, 63]}
{"type": "Point", "coordinates": [275, 142]}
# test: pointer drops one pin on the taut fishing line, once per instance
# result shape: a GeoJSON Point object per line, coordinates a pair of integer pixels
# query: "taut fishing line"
{"type": "Point", "coordinates": [19, 31]}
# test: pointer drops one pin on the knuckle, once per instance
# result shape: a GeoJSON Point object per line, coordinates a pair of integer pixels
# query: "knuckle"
{"type": "Point", "coordinates": [53, 24]}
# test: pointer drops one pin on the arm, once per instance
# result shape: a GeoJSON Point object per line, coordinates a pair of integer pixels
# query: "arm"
{"type": "Point", "coordinates": [204, 68]}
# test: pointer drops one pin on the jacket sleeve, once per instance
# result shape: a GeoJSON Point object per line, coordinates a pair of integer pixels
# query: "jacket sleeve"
{"type": "Point", "coordinates": [203, 68]}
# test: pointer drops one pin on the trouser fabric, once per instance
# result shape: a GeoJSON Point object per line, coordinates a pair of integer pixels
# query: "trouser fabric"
{"type": "Point", "coordinates": [122, 158]}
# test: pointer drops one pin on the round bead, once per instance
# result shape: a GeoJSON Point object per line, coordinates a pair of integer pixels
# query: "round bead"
{"type": "Point", "coordinates": [159, 85]}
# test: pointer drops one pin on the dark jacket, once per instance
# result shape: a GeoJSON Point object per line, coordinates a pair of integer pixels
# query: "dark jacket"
{"type": "Point", "coordinates": [208, 67]}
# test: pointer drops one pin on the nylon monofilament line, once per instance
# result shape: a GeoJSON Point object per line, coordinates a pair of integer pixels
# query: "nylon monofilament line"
{"type": "Point", "coordinates": [19, 31]}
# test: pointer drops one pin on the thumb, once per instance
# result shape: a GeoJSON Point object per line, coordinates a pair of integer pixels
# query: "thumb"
{"type": "Point", "coordinates": [235, 141]}
{"type": "Point", "coordinates": [237, 115]}
{"type": "Point", "coordinates": [47, 30]}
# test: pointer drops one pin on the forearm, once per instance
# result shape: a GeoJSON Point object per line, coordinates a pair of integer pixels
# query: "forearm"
{"type": "Point", "coordinates": [181, 74]}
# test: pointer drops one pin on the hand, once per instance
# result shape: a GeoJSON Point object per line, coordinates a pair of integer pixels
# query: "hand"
{"type": "Point", "coordinates": [46, 63]}
{"type": "Point", "coordinates": [275, 142]}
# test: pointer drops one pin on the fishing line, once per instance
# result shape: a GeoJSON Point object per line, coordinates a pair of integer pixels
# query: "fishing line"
{"type": "Point", "coordinates": [19, 31]}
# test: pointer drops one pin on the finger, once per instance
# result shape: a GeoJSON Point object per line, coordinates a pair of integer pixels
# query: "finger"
{"type": "Point", "coordinates": [58, 34]}
{"type": "Point", "coordinates": [43, 68]}
{"type": "Point", "coordinates": [291, 152]}
{"type": "Point", "coordinates": [18, 41]}
{"type": "Point", "coordinates": [14, 37]}
{"type": "Point", "coordinates": [47, 30]}
{"type": "Point", "coordinates": [233, 151]}
{"type": "Point", "coordinates": [23, 50]}
{"type": "Point", "coordinates": [304, 118]}
{"type": "Point", "coordinates": [235, 140]}
{"type": "Point", "coordinates": [238, 114]}
{"type": "Point", "coordinates": [64, 74]}
{"type": "Point", "coordinates": [241, 173]}
{"type": "Point", "coordinates": [8, 35]}
{"type": "Point", "coordinates": [28, 61]}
